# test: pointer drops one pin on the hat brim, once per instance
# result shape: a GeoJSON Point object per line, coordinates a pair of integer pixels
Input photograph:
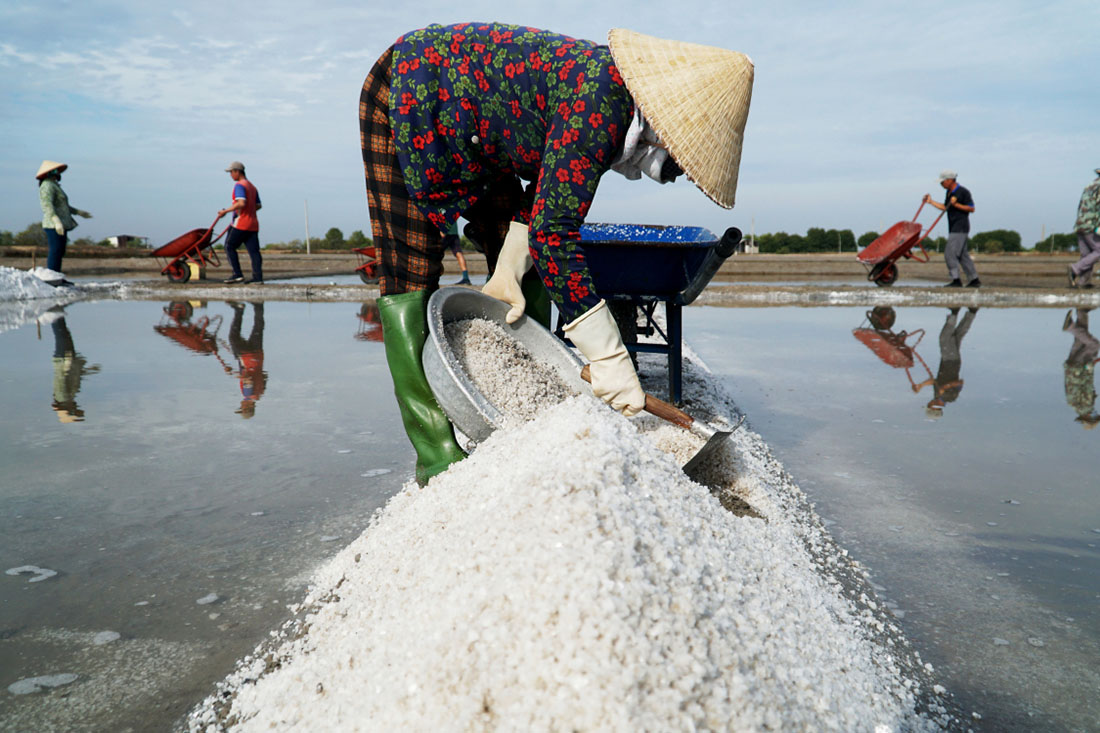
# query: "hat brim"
{"type": "Point", "coordinates": [48, 167]}
{"type": "Point", "coordinates": [696, 98]}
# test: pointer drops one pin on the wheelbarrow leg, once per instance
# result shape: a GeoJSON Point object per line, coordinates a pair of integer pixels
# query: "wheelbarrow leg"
{"type": "Point", "coordinates": [673, 315]}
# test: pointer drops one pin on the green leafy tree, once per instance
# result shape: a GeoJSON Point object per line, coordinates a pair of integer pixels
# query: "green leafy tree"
{"type": "Point", "coordinates": [357, 239]}
{"type": "Point", "coordinates": [816, 240]}
{"type": "Point", "coordinates": [866, 238]}
{"type": "Point", "coordinates": [32, 236]}
{"type": "Point", "coordinates": [7, 239]}
{"type": "Point", "coordinates": [334, 239]}
{"type": "Point", "coordinates": [1058, 243]}
{"type": "Point", "coordinates": [997, 240]}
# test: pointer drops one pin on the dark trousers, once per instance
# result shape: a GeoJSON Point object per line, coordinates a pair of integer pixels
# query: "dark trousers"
{"type": "Point", "coordinates": [57, 242]}
{"type": "Point", "coordinates": [251, 241]}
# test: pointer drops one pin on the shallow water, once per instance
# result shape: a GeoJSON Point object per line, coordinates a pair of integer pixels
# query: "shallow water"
{"type": "Point", "coordinates": [981, 526]}
{"type": "Point", "coordinates": [168, 516]}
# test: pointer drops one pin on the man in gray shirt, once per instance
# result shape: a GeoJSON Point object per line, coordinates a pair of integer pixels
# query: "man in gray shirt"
{"type": "Point", "coordinates": [958, 203]}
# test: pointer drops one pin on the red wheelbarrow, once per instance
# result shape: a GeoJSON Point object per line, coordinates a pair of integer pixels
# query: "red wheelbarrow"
{"type": "Point", "coordinates": [893, 349]}
{"type": "Point", "coordinates": [195, 246]}
{"type": "Point", "coordinates": [896, 242]}
{"type": "Point", "coordinates": [369, 264]}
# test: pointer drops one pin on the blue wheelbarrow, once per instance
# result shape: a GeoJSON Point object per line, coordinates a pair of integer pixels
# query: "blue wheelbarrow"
{"type": "Point", "coordinates": [637, 266]}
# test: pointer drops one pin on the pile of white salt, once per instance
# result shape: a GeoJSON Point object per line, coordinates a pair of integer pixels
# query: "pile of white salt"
{"type": "Point", "coordinates": [568, 576]}
{"type": "Point", "coordinates": [504, 370]}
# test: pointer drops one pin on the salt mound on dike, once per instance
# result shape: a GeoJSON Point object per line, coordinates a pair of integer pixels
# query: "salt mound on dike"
{"type": "Point", "coordinates": [591, 586]}
{"type": "Point", "coordinates": [26, 284]}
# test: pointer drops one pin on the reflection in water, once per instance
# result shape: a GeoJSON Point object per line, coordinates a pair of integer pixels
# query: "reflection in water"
{"type": "Point", "coordinates": [1080, 369]}
{"type": "Point", "coordinates": [201, 337]}
{"type": "Point", "coordinates": [69, 367]}
{"type": "Point", "coordinates": [250, 356]}
{"type": "Point", "coordinates": [892, 348]}
{"type": "Point", "coordinates": [948, 384]}
{"type": "Point", "coordinates": [370, 323]}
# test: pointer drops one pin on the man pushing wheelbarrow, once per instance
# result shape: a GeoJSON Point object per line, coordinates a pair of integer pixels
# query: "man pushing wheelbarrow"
{"type": "Point", "coordinates": [453, 117]}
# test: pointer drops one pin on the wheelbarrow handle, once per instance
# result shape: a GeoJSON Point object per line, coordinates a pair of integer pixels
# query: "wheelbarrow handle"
{"type": "Point", "coordinates": [655, 406]}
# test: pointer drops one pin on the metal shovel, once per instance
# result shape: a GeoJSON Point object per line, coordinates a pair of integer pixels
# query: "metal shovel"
{"type": "Point", "coordinates": [665, 411]}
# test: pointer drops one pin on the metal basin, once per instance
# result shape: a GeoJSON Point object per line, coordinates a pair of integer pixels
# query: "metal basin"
{"type": "Point", "coordinates": [469, 410]}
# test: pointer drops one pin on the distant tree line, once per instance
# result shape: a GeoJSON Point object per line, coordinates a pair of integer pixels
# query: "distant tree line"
{"type": "Point", "coordinates": [334, 240]}
{"type": "Point", "coordinates": [843, 240]}
{"type": "Point", "coordinates": [815, 239]}
{"type": "Point", "coordinates": [34, 236]}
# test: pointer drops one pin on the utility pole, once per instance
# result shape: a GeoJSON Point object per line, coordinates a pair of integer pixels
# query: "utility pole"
{"type": "Point", "coordinates": [307, 226]}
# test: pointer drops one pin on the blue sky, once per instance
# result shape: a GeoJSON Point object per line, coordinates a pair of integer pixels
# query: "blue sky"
{"type": "Point", "coordinates": [856, 108]}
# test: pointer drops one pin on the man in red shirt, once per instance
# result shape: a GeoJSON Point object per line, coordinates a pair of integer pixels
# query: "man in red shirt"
{"type": "Point", "coordinates": [245, 228]}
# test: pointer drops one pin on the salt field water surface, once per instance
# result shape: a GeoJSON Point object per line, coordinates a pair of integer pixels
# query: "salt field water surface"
{"type": "Point", "coordinates": [158, 513]}
{"type": "Point", "coordinates": [981, 526]}
{"type": "Point", "coordinates": [149, 531]}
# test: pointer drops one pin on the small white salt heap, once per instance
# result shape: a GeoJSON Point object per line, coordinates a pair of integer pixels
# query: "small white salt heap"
{"type": "Point", "coordinates": [568, 576]}
{"type": "Point", "coordinates": [504, 370]}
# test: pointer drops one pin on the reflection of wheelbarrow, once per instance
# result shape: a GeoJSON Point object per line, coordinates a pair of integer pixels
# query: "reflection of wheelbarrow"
{"type": "Point", "coordinates": [195, 246]}
{"type": "Point", "coordinates": [892, 348]}
{"type": "Point", "coordinates": [369, 264]}
{"type": "Point", "coordinates": [896, 242]}
{"type": "Point", "coordinates": [370, 323]}
{"type": "Point", "coordinates": [200, 337]}
{"type": "Point", "coordinates": [639, 266]}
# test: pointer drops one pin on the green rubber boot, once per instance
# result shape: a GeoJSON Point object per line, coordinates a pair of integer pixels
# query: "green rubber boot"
{"type": "Point", "coordinates": [537, 299]}
{"type": "Point", "coordinates": [404, 331]}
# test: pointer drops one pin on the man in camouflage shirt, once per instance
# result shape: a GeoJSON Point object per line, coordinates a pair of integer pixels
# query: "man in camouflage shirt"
{"type": "Point", "coordinates": [1088, 235]}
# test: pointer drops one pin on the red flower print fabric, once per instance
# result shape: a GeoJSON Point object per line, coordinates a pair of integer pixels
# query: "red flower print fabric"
{"type": "Point", "coordinates": [473, 102]}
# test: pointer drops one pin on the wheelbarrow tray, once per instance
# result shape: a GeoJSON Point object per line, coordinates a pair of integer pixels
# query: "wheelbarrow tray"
{"type": "Point", "coordinates": [194, 239]}
{"type": "Point", "coordinates": [890, 348]}
{"type": "Point", "coordinates": [893, 244]}
{"type": "Point", "coordinates": [641, 260]}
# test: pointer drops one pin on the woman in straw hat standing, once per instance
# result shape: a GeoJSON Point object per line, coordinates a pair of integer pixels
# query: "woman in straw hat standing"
{"type": "Point", "coordinates": [511, 128]}
{"type": "Point", "coordinates": [57, 214]}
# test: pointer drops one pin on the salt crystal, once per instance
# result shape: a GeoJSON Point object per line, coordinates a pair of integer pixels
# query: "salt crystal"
{"type": "Point", "coordinates": [207, 599]}
{"type": "Point", "coordinates": [105, 637]}
{"type": "Point", "coordinates": [38, 684]}
{"type": "Point", "coordinates": [39, 574]}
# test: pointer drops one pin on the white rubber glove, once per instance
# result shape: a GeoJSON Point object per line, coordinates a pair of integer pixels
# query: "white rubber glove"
{"type": "Point", "coordinates": [83, 213]}
{"type": "Point", "coordinates": [58, 226]}
{"type": "Point", "coordinates": [613, 377]}
{"type": "Point", "coordinates": [512, 264]}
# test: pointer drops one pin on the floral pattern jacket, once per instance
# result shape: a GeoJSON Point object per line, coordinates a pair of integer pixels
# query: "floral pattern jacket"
{"type": "Point", "coordinates": [473, 102]}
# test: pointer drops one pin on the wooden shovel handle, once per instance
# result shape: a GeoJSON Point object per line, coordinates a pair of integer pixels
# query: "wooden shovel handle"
{"type": "Point", "coordinates": [655, 406]}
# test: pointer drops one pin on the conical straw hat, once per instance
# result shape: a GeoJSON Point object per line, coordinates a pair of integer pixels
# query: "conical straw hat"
{"type": "Point", "coordinates": [47, 166]}
{"type": "Point", "coordinates": [696, 98]}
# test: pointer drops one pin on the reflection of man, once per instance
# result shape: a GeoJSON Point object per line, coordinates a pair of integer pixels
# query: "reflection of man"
{"type": "Point", "coordinates": [68, 369]}
{"type": "Point", "coordinates": [250, 357]}
{"type": "Point", "coordinates": [947, 385]}
{"type": "Point", "coordinates": [1087, 227]}
{"type": "Point", "coordinates": [1080, 369]}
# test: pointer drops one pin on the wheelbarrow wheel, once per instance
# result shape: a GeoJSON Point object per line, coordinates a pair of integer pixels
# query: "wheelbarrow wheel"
{"type": "Point", "coordinates": [367, 277]}
{"type": "Point", "coordinates": [884, 274]}
{"type": "Point", "coordinates": [178, 272]}
{"type": "Point", "coordinates": [180, 310]}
